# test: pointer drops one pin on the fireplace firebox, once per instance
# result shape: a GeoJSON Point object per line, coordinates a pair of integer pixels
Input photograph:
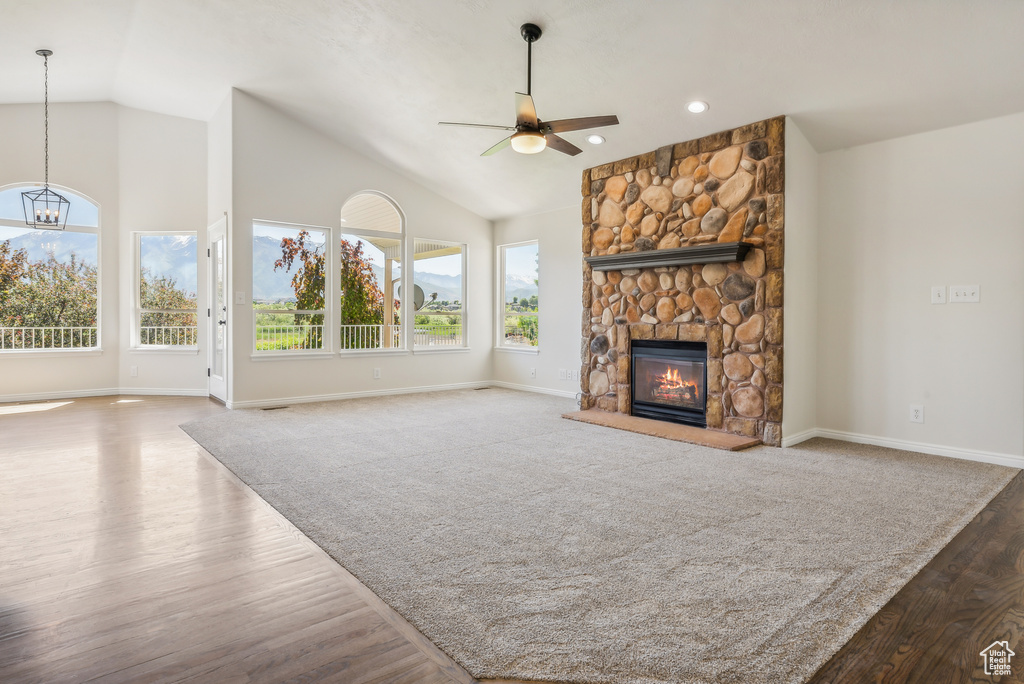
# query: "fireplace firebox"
{"type": "Point", "coordinates": [670, 381]}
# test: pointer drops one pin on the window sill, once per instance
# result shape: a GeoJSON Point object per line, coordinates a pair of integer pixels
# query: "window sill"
{"type": "Point", "coordinates": [93, 351]}
{"type": "Point", "coordinates": [518, 350]}
{"type": "Point", "coordinates": [290, 356]}
{"type": "Point", "coordinates": [372, 352]}
{"type": "Point", "coordinates": [180, 351]}
{"type": "Point", "coordinates": [440, 350]}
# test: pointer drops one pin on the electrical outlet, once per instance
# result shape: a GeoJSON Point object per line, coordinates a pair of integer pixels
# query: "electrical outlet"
{"type": "Point", "coordinates": [376, 373]}
{"type": "Point", "coordinates": [938, 294]}
{"type": "Point", "coordinates": [133, 371]}
{"type": "Point", "coordinates": [964, 293]}
{"type": "Point", "coordinates": [533, 372]}
{"type": "Point", "coordinates": [916, 413]}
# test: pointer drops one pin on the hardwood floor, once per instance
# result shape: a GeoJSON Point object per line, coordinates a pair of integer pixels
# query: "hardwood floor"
{"type": "Point", "coordinates": [970, 595]}
{"type": "Point", "coordinates": [128, 554]}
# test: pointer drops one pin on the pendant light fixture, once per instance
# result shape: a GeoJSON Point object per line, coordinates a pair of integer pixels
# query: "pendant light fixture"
{"type": "Point", "coordinates": [45, 208]}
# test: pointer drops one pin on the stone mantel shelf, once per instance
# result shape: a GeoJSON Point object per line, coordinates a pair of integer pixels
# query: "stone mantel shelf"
{"type": "Point", "coordinates": [718, 252]}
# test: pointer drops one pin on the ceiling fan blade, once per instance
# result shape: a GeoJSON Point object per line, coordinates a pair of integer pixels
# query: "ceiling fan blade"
{"type": "Point", "coordinates": [565, 125]}
{"type": "Point", "coordinates": [473, 125]}
{"type": "Point", "coordinates": [526, 113]}
{"type": "Point", "coordinates": [498, 148]}
{"type": "Point", "coordinates": [562, 145]}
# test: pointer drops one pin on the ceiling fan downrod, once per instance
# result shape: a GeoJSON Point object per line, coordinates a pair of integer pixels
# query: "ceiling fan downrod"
{"type": "Point", "coordinates": [530, 32]}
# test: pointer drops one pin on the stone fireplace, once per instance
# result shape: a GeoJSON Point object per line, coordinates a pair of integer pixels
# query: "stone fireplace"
{"type": "Point", "coordinates": [683, 248]}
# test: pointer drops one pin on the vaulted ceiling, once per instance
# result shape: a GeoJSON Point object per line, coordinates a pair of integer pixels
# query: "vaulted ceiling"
{"type": "Point", "coordinates": [378, 75]}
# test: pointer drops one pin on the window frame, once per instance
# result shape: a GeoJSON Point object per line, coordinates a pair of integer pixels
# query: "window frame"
{"type": "Point", "coordinates": [328, 312]}
{"type": "Point", "coordinates": [68, 228]}
{"type": "Point", "coordinates": [405, 247]}
{"type": "Point", "coordinates": [137, 308]}
{"type": "Point", "coordinates": [336, 300]}
{"type": "Point", "coordinates": [463, 310]}
{"type": "Point", "coordinates": [500, 340]}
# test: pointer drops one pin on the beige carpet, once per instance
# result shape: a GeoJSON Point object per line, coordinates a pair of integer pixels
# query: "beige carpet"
{"type": "Point", "coordinates": [528, 546]}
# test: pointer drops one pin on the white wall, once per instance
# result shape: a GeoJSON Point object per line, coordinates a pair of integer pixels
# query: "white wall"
{"type": "Point", "coordinates": [162, 178]}
{"type": "Point", "coordinates": [896, 218]}
{"type": "Point", "coordinates": [219, 203]}
{"type": "Point", "coordinates": [284, 171]}
{"type": "Point", "coordinates": [105, 151]}
{"type": "Point", "coordinates": [800, 324]}
{"type": "Point", "coordinates": [561, 286]}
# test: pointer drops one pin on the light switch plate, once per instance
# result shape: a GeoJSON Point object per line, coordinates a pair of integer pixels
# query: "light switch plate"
{"type": "Point", "coordinates": [938, 294]}
{"type": "Point", "coordinates": [965, 293]}
{"type": "Point", "coordinates": [239, 298]}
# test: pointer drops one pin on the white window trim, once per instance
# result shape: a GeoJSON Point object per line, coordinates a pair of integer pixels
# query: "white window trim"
{"type": "Point", "coordinates": [69, 228]}
{"type": "Point", "coordinates": [329, 311]}
{"type": "Point", "coordinates": [332, 288]}
{"type": "Point", "coordinates": [463, 311]}
{"type": "Point", "coordinates": [517, 348]}
{"type": "Point", "coordinates": [500, 344]}
{"type": "Point", "coordinates": [335, 301]}
{"type": "Point", "coordinates": [136, 337]}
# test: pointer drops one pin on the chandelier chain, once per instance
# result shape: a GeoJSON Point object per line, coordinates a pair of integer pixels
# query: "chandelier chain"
{"type": "Point", "coordinates": [46, 120]}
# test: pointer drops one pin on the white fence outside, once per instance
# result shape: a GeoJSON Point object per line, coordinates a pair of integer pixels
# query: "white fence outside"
{"type": "Point", "coordinates": [169, 335]}
{"type": "Point", "coordinates": [438, 336]}
{"type": "Point", "coordinates": [47, 338]}
{"type": "Point", "coordinates": [370, 336]}
{"type": "Point", "coordinates": [280, 337]}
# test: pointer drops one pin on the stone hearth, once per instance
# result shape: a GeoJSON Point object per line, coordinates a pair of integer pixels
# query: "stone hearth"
{"type": "Point", "coordinates": [724, 188]}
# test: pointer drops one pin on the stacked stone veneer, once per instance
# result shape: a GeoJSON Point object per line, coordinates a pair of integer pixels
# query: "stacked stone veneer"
{"type": "Point", "coordinates": [724, 187]}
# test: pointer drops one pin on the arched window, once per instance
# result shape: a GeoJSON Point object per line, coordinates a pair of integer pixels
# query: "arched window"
{"type": "Point", "coordinates": [83, 213]}
{"type": "Point", "coordinates": [371, 248]}
{"type": "Point", "coordinates": [49, 279]}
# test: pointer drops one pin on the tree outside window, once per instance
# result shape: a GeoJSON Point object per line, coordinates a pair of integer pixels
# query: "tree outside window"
{"type": "Point", "coordinates": [167, 281]}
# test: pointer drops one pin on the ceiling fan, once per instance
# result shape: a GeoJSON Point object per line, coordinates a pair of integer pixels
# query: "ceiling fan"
{"type": "Point", "coordinates": [531, 135]}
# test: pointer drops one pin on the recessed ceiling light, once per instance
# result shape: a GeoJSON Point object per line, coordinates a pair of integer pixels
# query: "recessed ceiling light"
{"type": "Point", "coordinates": [595, 139]}
{"type": "Point", "coordinates": [697, 107]}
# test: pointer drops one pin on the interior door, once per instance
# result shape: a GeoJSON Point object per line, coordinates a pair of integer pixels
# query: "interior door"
{"type": "Point", "coordinates": [218, 310]}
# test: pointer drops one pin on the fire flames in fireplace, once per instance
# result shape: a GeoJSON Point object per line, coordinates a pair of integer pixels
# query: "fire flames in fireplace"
{"type": "Point", "coordinates": [669, 381]}
{"type": "Point", "coordinates": [670, 388]}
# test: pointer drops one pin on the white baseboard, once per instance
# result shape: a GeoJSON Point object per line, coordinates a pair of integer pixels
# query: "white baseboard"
{"type": "Point", "coordinates": [278, 401]}
{"type": "Point", "coordinates": [104, 392]}
{"type": "Point", "coordinates": [308, 399]}
{"type": "Point", "coordinates": [1011, 460]}
{"type": "Point", "coordinates": [790, 440]}
{"type": "Point", "coordinates": [66, 394]}
{"type": "Point", "coordinates": [164, 392]}
{"type": "Point", "coordinates": [530, 388]}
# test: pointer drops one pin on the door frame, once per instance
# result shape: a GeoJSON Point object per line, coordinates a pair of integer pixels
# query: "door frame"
{"type": "Point", "coordinates": [217, 385]}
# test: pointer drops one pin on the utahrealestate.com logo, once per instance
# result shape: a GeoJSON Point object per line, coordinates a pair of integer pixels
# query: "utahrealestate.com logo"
{"type": "Point", "coordinates": [997, 658]}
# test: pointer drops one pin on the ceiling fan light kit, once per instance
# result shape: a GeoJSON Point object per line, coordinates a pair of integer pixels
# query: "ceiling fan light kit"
{"type": "Point", "coordinates": [528, 142]}
{"type": "Point", "coordinates": [530, 134]}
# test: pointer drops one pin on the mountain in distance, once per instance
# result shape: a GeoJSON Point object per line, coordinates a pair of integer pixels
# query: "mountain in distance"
{"type": "Point", "coordinates": [177, 260]}
{"type": "Point", "coordinates": [276, 286]}
{"type": "Point", "coordinates": [519, 286]}
{"type": "Point", "coordinates": [268, 285]}
{"type": "Point", "coordinates": [447, 287]}
{"type": "Point", "coordinates": [39, 243]}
